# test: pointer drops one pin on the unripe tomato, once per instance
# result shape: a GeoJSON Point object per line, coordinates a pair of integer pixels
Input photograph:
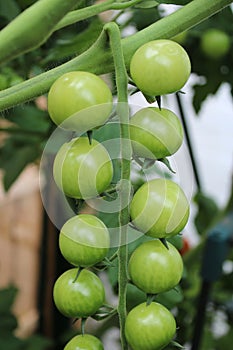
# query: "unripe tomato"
{"type": "Point", "coordinates": [160, 67]}
{"type": "Point", "coordinates": [84, 240]}
{"type": "Point", "coordinates": [149, 327]}
{"type": "Point", "coordinates": [155, 133]}
{"type": "Point", "coordinates": [159, 208]}
{"type": "Point", "coordinates": [155, 269]}
{"type": "Point", "coordinates": [82, 170]}
{"type": "Point", "coordinates": [78, 297]}
{"type": "Point", "coordinates": [215, 43]}
{"type": "Point", "coordinates": [84, 342]}
{"type": "Point", "coordinates": [83, 95]}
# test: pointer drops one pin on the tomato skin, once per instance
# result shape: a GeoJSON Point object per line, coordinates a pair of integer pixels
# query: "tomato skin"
{"type": "Point", "coordinates": [215, 43]}
{"type": "Point", "coordinates": [84, 342]}
{"type": "Point", "coordinates": [160, 67]}
{"type": "Point", "coordinates": [80, 297]}
{"type": "Point", "coordinates": [84, 240]}
{"type": "Point", "coordinates": [155, 133]}
{"type": "Point", "coordinates": [159, 208]}
{"type": "Point", "coordinates": [82, 94]}
{"type": "Point", "coordinates": [149, 327]}
{"type": "Point", "coordinates": [82, 170]}
{"type": "Point", "coordinates": [155, 269]}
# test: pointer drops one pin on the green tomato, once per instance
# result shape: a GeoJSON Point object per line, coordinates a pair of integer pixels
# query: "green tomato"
{"type": "Point", "coordinates": [155, 133]}
{"type": "Point", "coordinates": [82, 170]}
{"type": "Point", "coordinates": [78, 297]}
{"type": "Point", "coordinates": [84, 342]}
{"type": "Point", "coordinates": [149, 327]}
{"type": "Point", "coordinates": [155, 269]}
{"type": "Point", "coordinates": [81, 99]}
{"type": "Point", "coordinates": [84, 240]}
{"type": "Point", "coordinates": [215, 43]}
{"type": "Point", "coordinates": [159, 208]}
{"type": "Point", "coordinates": [160, 67]}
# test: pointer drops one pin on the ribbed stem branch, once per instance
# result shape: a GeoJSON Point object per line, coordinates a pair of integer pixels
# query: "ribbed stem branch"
{"type": "Point", "coordinates": [125, 145]}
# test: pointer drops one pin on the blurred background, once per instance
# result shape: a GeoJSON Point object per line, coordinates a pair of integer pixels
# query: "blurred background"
{"type": "Point", "coordinates": [30, 260]}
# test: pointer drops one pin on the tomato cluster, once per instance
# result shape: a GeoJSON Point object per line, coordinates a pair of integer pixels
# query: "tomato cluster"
{"type": "Point", "coordinates": [82, 169]}
{"type": "Point", "coordinates": [159, 208]}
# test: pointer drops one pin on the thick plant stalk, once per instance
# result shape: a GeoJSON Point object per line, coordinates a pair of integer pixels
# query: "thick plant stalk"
{"type": "Point", "coordinates": [32, 27]}
{"type": "Point", "coordinates": [90, 11]}
{"type": "Point", "coordinates": [126, 154]}
{"type": "Point", "coordinates": [98, 58]}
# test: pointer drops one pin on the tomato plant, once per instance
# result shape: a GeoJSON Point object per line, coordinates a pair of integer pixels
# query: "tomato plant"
{"type": "Point", "coordinates": [84, 240]}
{"type": "Point", "coordinates": [149, 327]}
{"type": "Point", "coordinates": [82, 170]}
{"type": "Point", "coordinates": [84, 342]}
{"type": "Point", "coordinates": [154, 268]}
{"type": "Point", "coordinates": [159, 208]}
{"type": "Point", "coordinates": [215, 43]}
{"type": "Point", "coordinates": [78, 295]}
{"type": "Point", "coordinates": [155, 133]}
{"type": "Point", "coordinates": [79, 101]}
{"type": "Point", "coordinates": [160, 67]}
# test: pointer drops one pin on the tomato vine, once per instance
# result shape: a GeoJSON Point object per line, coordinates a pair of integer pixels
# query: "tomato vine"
{"type": "Point", "coordinates": [188, 16]}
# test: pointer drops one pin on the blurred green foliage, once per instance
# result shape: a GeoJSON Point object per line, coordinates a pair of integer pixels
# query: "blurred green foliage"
{"type": "Point", "coordinates": [8, 325]}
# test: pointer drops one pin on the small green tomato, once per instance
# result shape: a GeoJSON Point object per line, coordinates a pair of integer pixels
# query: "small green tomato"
{"type": "Point", "coordinates": [84, 240]}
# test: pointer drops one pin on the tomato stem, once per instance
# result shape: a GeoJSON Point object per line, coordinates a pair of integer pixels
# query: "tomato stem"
{"type": "Point", "coordinates": [126, 154]}
{"type": "Point", "coordinates": [164, 242]}
{"type": "Point", "coordinates": [90, 136]}
{"type": "Point", "coordinates": [32, 27]}
{"type": "Point", "coordinates": [83, 322]}
{"type": "Point", "coordinates": [78, 273]}
{"type": "Point", "coordinates": [150, 298]}
{"type": "Point", "coordinates": [90, 11]}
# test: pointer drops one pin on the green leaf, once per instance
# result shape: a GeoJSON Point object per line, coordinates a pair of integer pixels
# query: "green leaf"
{"type": "Point", "coordinates": [170, 298]}
{"type": "Point", "coordinates": [177, 241]}
{"type": "Point", "coordinates": [176, 345]}
{"type": "Point", "coordinates": [207, 211]}
{"type": "Point", "coordinates": [16, 164]}
{"type": "Point", "coordinates": [201, 92]}
{"type": "Point", "coordinates": [11, 343]}
{"type": "Point", "coordinates": [30, 118]}
{"type": "Point", "coordinates": [9, 9]}
{"type": "Point", "coordinates": [225, 342]}
{"type": "Point", "coordinates": [7, 298]}
{"type": "Point", "coordinates": [75, 44]}
{"type": "Point", "coordinates": [145, 17]}
{"type": "Point", "coordinates": [134, 296]}
{"type": "Point", "coordinates": [166, 162]}
{"type": "Point", "coordinates": [37, 342]}
{"type": "Point", "coordinates": [147, 4]}
{"type": "Point", "coordinates": [8, 323]}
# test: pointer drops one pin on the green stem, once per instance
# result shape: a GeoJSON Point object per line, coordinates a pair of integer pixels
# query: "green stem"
{"type": "Point", "coordinates": [183, 19]}
{"type": "Point", "coordinates": [32, 27]}
{"type": "Point", "coordinates": [125, 145]}
{"type": "Point", "coordinates": [90, 11]}
{"type": "Point", "coordinates": [98, 58]}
